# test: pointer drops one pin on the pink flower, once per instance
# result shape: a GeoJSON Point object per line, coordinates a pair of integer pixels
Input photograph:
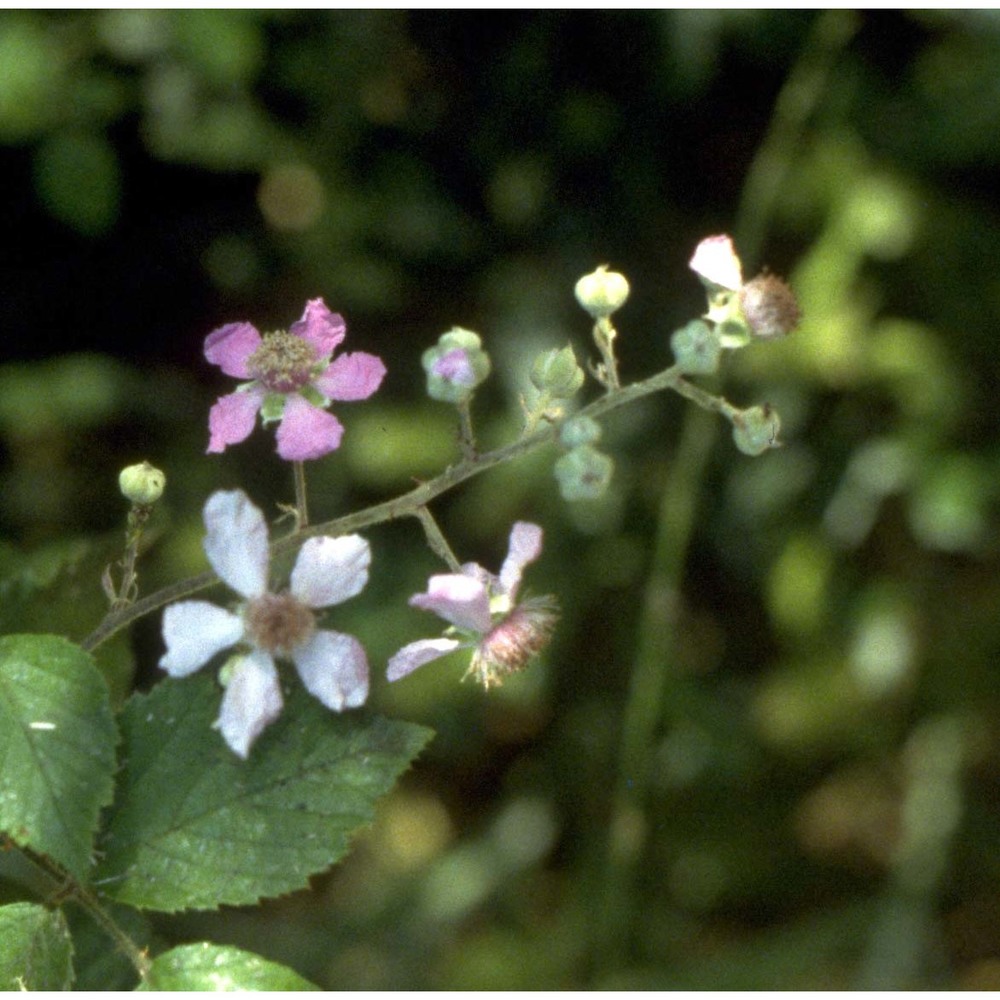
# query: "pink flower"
{"type": "Point", "coordinates": [332, 665]}
{"type": "Point", "coordinates": [484, 617]}
{"type": "Point", "coordinates": [292, 380]}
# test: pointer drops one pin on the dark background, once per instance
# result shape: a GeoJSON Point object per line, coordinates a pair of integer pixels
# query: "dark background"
{"type": "Point", "coordinates": [817, 783]}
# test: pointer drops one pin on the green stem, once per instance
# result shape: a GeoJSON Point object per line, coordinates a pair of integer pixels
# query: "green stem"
{"type": "Point", "coordinates": [466, 436]}
{"type": "Point", "coordinates": [436, 540]}
{"type": "Point", "coordinates": [301, 505]}
{"type": "Point", "coordinates": [408, 504]}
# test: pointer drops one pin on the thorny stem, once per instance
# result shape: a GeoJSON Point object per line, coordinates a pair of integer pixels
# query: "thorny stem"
{"type": "Point", "coordinates": [410, 503]}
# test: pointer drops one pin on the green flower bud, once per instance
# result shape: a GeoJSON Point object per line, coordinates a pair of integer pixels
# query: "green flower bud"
{"type": "Point", "coordinates": [455, 366]}
{"type": "Point", "coordinates": [578, 431]}
{"type": "Point", "coordinates": [755, 430]}
{"type": "Point", "coordinates": [770, 307]}
{"type": "Point", "coordinates": [696, 348]}
{"type": "Point", "coordinates": [583, 473]}
{"type": "Point", "coordinates": [602, 292]}
{"type": "Point", "coordinates": [556, 373]}
{"type": "Point", "coordinates": [142, 484]}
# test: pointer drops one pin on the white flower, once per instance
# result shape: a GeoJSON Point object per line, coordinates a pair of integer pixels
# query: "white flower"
{"type": "Point", "coordinates": [716, 263]}
{"type": "Point", "coordinates": [333, 666]}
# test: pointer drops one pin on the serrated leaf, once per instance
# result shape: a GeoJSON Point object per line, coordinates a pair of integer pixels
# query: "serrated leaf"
{"type": "Point", "coordinates": [194, 826]}
{"type": "Point", "coordinates": [57, 745]}
{"type": "Point", "coordinates": [37, 950]}
{"type": "Point", "coordinates": [221, 969]}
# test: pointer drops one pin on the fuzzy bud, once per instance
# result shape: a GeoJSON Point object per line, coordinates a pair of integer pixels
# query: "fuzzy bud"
{"type": "Point", "coordinates": [455, 366]}
{"type": "Point", "coordinates": [769, 306]}
{"type": "Point", "coordinates": [583, 473]}
{"type": "Point", "coordinates": [556, 373]}
{"type": "Point", "coordinates": [755, 430]}
{"type": "Point", "coordinates": [602, 292]}
{"type": "Point", "coordinates": [696, 348]}
{"type": "Point", "coordinates": [142, 484]}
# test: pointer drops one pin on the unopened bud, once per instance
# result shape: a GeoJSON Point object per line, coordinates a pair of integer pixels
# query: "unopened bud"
{"type": "Point", "coordinates": [142, 484]}
{"type": "Point", "coordinates": [602, 292]}
{"type": "Point", "coordinates": [556, 373]}
{"type": "Point", "coordinates": [583, 473]}
{"type": "Point", "coordinates": [455, 366]}
{"type": "Point", "coordinates": [579, 430]}
{"type": "Point", "coordinates": [696, 348]}
{"type": "Point", "coordinates": [755, 430]}
{"type": "Point", "coordinates": [769, 306]}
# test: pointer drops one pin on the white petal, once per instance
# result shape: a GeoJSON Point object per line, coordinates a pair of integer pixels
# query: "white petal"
{"type": "Point", "coordinates": [458, 599]}
{"type": "Point", "coordinates": [334, 669]}
{"type": "Point", "coordinates": [416, 654]}
{"type": "Point", "coordinates": [236, 542]}
{"type": "Point", "coordinates": [194, 632]}
{"type": "Point", "coordinates": [525, 547]}
{"type": "Point", "coordinates": [251, 703]}
{"type": "Point", "coordinates": [330, 570]}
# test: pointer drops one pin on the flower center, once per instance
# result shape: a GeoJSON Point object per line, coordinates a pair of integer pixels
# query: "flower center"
{"type": "Point", "coordinates": [283, 362]}
{"type": "Point", "coordinates": [278, 623]}
{"type": "Point", "coordinates": [521, 634]}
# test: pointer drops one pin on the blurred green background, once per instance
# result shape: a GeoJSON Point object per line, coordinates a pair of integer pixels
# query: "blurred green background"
{"type": "Point", "coordinates": [763, 750]}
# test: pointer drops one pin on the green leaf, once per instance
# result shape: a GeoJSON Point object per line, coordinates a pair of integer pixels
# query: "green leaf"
{"type": "Point", "coordinates": [194, 826]}
{"type": "Point", "coordinates": [220, 969]}
{"type": "Point", "coordinates": [37, 949]}
{"type": "Point", "coordinates": [57, 745]}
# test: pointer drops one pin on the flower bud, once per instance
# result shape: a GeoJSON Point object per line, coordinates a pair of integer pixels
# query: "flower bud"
{"type": "Point", "coordinates": [578, 431]}
{"type": "Point", "coordinates": [755, 430]}
{"type": "Point", "coordinates": [142, 484]}
{"type": "Point", "coordinates": [602, 292]}
{"type": "Point", "coordinates": [556, 373]}
{"type": "Point", "coordinates": [769, 306]}
{"type": "Point", "coordinates": [696, 348]}
{"type": "Point", "coordinates": [716, 263]}
{"type": "Point", "coordinates": [583, 473]}
{"type": "Point", "coordinates": [455, 366]}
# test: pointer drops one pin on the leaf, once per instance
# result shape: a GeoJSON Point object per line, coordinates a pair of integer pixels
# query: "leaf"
{"type": "Point", "coordinates": [57, 745]}
{"type": "Point", "coordinates": [194, 826]}
{"type": "Point", "coordinates": [37, 949]}
{"type": "Point", "coordinates": [219, 968]}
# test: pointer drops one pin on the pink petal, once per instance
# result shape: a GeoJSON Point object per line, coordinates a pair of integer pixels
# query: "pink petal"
{"type": "Point", "coordinates": [194, 631]}
{"type": "Point", "coordinates": [251, 703]}
{"type": "Point", "coordinates": [525, 547]}
{"type": "Point", "coordinates": [459, 599]}
{"type": "Point", "coordinates": [306, 431]}
{"type": "Point", "coordinates": [232, 417]}
{"type": "Point", "coordinates": [330, 570]}
{"type": "Point", "coordinates": [230, 346]}
{"type": "Point", "coordinates": [351, 376]}
{"type": "Point", "coordinates": [416, 654]}
{"type": "Point", "coordinates": [455, 367]}
{"type": "Point", "coordinates": [236, 542]}
{"type": "Point", "coordinates": [334, 669]}
{"type": "Point", "coordinates": [322, 328]}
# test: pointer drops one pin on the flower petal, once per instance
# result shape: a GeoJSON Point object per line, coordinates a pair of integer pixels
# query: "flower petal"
{"type": "Point", "coordinates": [525, 547]}
{"type": "Point", "coordinates": [351, 376]}
{"type": "Point", "coordinates": [232, 417]}
{"type": "Point", "coordinates": [330, 570]}
{"type": "Point", "coordinates": [194, 631]}
{"type": "Point", "coordinates": [306, 431]}
{"type": "Point", "coordinates": [251, 703]}
{"type": "Point", "coordinates": [462, 600]}
{"type": "Point", "coordinates": [715, 261]}
{"type": "Point", "coordinates": [236, 542]}
{"type": "Point", "coordinates": [230, 346]}
{"type": "Point", "coordinates": [416, 654]}
{"type": "Point", "coordinates": [334, 669]}
{"type": "Point", "coordinates": [322, 328]}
